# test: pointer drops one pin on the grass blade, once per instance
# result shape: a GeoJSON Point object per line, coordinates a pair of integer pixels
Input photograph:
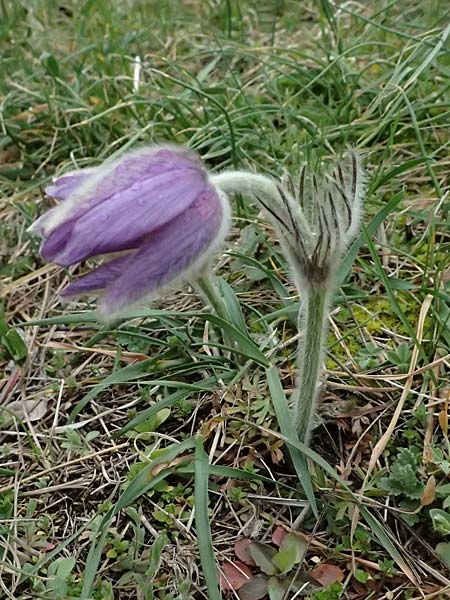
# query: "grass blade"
{"type": "Point", "coordinates": [202, 523]}
{"type": "Point", "coordinates": [287, 427]}
{"type": "Point", "coordinates": [382, 214]}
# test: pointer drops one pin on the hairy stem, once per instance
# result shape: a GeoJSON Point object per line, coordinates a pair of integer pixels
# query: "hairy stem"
{"type": "Point", "coordinates": [313, 321]}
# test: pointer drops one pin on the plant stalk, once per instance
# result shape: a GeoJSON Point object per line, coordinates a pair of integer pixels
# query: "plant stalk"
{"type": "Point", "coordinates": [313, 321]}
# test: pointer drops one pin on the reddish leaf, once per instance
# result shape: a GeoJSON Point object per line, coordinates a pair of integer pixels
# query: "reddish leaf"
{"type": "Point", "coordinates": [49, 547]}
{"type": "Point", "coordinates": [278, 536]}
{"type": "Point", "coordinates": [254, 589]}
{"type": "Point", "coordinates": [327, 574]}
{"type": "Point", "coordinates": [241, 551]}
{"type": "Point", "coordinates": [232, 576]}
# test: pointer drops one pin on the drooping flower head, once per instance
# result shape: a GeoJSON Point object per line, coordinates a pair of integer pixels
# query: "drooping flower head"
{"type": "Point", "coordinates": [155, 206]}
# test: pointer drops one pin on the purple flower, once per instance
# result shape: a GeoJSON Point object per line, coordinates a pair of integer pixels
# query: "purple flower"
{"type": "Point", "coordinates": [155, 206]}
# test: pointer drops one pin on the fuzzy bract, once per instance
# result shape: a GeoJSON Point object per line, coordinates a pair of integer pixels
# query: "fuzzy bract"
{"type": "Point", "coordinates": [316, 219]}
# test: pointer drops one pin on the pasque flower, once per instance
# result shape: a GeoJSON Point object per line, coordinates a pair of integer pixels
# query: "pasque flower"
{"type": "Point", "coordinates": [162, 217]}
{"type": "Point", "coordinates": [153, 210]}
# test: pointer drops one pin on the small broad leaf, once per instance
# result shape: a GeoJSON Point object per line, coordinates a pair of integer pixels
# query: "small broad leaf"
{"type": "Point", "coordinates": [35, 410]}
{"type": "Point", "coordinates": [441, 520]}
{"type": "Point", "coordinates": [263, 555]}
{"type": "Point", "coordinates": [153, 422]}
{"type": "Point", "coordinates": [61, 567]}
{"type": "Point", "coordinates": [291, 551]}
{"type": "Point", "coordinates": [91, 435]}
{"type": "Point", "coordinates": [51, 65]}
{"type": "Point", "coordinates": [254, 589]}
{"type": "Point", "coordinates": [326, 574]}
{"type": "Point", "coordinates": [443, 491]}
{"type": "Point", "coordinates": [15, 345]}
{"type": "Point", "coordinates": [242, 552]}
{"type": "Point", "coordinates": [402, 479]}
{"type": "Point", "coordinates": [277, 588]}
{"type": "Point", "coordinates": [443, 551]}
{"type": "Point", "coordinates": [232, 576]}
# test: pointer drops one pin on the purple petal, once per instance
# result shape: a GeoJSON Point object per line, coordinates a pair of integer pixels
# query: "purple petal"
{"type": "Point", "coordinates": [61, 189]}
{"type": "Point", "coordinates": [64, 186]}
{"type": "Point", "coordinates": [123, 220]}
{"type": "Point", "coordinates": [120, 175]}
{"type": "Point", "coordinates": [146, 196]}
{"type": "Point", "coordinates": [97, 279]}
{"type": "Point", "coordinates": [142, 164]}
{"type": "Point", "coordinates": [83, 190]}
{"type": "Point", "coordinates": [57, 240]}
{"type": "Point", "coordinates": [169, 252]}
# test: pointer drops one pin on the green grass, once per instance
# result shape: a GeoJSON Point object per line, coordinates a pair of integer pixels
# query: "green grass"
{"type": "Point", "coordinates": [98, 482]}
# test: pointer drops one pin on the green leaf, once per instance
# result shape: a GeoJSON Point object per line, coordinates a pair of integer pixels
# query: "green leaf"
{"type": "Point", "coordinates": [52, 66]}
{"type": "Point", "coordinates": [11, 340]}
{"type": "Point", "coordinates": [361, 576]}
{"type": "Point", "coordinates": [61, 567]}
{"type": "Point", "coordinates": [6, 505]}
{"type": "Point", "coordinates": [255, 589]}
{"type": "Point", "coordinates": [287, 427]}
{"type": "Point", "coordinates": [245, 345]}
{"type": "Point", "coordinates": [441, 520]}
{"type": "Point", "coordinates": [148, 413]}
{"type": "Point", "coordinates": [277, 285]}
{"type": "Point", "coordinates": [132, 373]}
{"type": "Point", "coordinates": [231, 303]}
{"type": "Point", "coordinates": [129, 373]}
{"type": "Point", "coordinates": [156, 555]}
{"type": "Point", "coordinates": [443, 490]}
{"type": "Point", "coordinates": [186, 390]}
{"type": "Point", "coordinates": [346, 265]}
{"type": "Point", "coordinates": [15, 345]}
{"type": "Point", "coordinates": [202, 523]}
{"type": "Point", "coordinates": [291, 552]}
{"type": "Point", "coordinates": [232, 473]}
{"type": "Point", "coordinates": [154, 421]}
{"type": "Point", "coordinates": [262, 555]}
{"type": "Point", "coordinates": [276, 588]}
{"type": "Point", "coordinates": [87, 316]}
{"type": "Point", "coordinates": [91, 435]}
{"type": "Point", "coordinates": [443, 551]}
{"type": "Point", "coordinates": [402, 479]}
{"type": "Point", "coordinates": [412, 508]}
{"type": "Point", "coordinates": [386, 177]}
